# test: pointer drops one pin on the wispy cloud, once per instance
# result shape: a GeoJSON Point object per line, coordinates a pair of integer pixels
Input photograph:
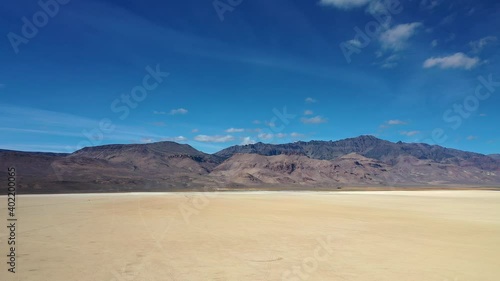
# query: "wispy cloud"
{"type": "Point", "coordinates": [159, 112]}
{"type": "Point", "coordinates": [396, 38]}
{"type": "Point", "coordinates": [354, 42]}
{"type": "Point", "coordinates": [429, 4]}
{"type": "Point", "coordinates": [296, 135]}
{"type": "Point", "coordinates": [147, 140]}
{"type": "Point", "coordinates": [313, 120]}
{"type": "Point", "coordinates": [308, 112]}
{"type": "Point", "coordinates": [37, 121]}
{"type": "Point", "coordinates": [391, 61]}
{"type": "Point", "coordinates": [235, 130]}
{"type": "Point", "coordinates": [178, 111]}
{"type": "Point", "coordinates": [396, 122]}
{"type": "Point", "coordinates": [176, 139]}
{"type": "Point", "coordinates": [265, 136]}
{"type": "Point", "coordinates": [40, 147]}
{"type": "Point", "coordinates": [409, 133]}
{"type": "Point", "coordinates": [470, 138]}
{"type": "Point", "coordinates": [477, 46]}
{"type": "Point", "coordinates": [247, 140]}
{"type": "Point", "coordinates": [310, 100]}
{"type": "Point", "coordinates": [344, 4]}
{"type": "Point", "coordinates": [457, 60]}
{"type": "Point", "coordinates": [270, 124]}
{"type": "Point", "coordinates": [217, 138]}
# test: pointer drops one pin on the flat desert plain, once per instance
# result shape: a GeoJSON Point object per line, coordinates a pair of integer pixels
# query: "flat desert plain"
{"type": "Point", "coordinates": [386, 235]}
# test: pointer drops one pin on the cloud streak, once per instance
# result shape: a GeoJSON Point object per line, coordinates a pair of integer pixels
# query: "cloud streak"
{"type": "Point", "coordinates": [178, 111]}
{"type": "Point", "coordinates": [344, 4]}
{"type": "Point", "coordinates": [457, 60]}
{"type": "Point", "coordinates": [314, 120]}
{"type": "Point", "coordinates": [235, 130]}
{"type": "Point", "coordinates": [216, 138]}
{"type": "Point", "coordinates": [396, 38]}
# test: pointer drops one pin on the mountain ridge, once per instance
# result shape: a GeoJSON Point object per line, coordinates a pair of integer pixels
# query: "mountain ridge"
{"type": "Point", "coordinates": [162, 166]}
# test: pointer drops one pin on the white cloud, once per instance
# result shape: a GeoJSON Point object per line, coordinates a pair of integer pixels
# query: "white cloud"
{"type": "Point", "coordinates": [434, 43]}
{"type": "Point", "coordinates": [205, 138]}
{"type": "Point", "coordinates": [159, 112]}
{"type": "Point", "coordinates": [270, 124]}
{"type": "Point", "coordinates": [377, 7]}
{"type": "Point", "coordinates": [178, 111]}
{"type": "Point", "coordinates": [308, 112]}
{"type": "Point", "coordinates": [355, 43]}
{"type": "Point", "coordinates": [147, 140]}
{"type": "Point", "coordinates": [448, 19]}
{"type": "Point", "coordinates": [296, 135]}
{"type": "Point", "coordinates": [313, 120]}
{"type": "Point", "coordinates": [457, 60]}
{"type": "Point", "coordinates": [429, 4]}
{"type": "Point", "coordinates": [344, 4]}
{"type": "Point", "coordinates": [234, 130]}
{"type": "Point", "coordinates": [409, 133]}
{"type": "Point", "coordinates": [477, 46]}
{"type": "Point", "coordinates": [268, 136]}
{"type": "Point", "coordinates": [176, 139]}
{"type": "Point", "coordinates": [195, 131]}
{"type": "Point", "coordinates": [247, 140]}
{"type": "Point", "coordinates": [265, 136]}
{"type": "Point", "coordinates": [396, 37]}
{"type": "Point", "coordinates": [396, 122]}
{"type": "Point", "coordinates": [256, 122]}
{"type": "Point", "coordinates": [389, 65]}
{"type": "Point", "coordinates": [472, 138]}
{"type": "Point", "coordinates": [310, 100]}
{"type": "Point", "coordinates": [391, 61]}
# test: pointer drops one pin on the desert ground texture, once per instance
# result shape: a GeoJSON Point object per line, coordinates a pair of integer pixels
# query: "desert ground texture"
{"type": "Point", "coordinates": [369, 236]}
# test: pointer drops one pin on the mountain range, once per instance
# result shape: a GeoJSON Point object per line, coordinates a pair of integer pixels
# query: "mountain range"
{"type": "Point", "coordinates": [164, 166]}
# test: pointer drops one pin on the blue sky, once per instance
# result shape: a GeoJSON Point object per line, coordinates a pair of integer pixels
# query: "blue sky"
{"type": "Point", "coordinates": [219, 73]}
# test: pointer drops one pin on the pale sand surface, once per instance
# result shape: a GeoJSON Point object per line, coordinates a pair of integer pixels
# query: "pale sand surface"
{"type": "Point", "coordinates": [387, 235]}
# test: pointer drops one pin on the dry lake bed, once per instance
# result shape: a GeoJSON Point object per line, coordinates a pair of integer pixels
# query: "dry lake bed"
{"type": "Point", "coordinates": [363, 236]}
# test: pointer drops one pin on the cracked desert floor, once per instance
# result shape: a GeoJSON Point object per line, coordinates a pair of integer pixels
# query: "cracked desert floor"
{"type": "Point", "coordinates": [386, 235]}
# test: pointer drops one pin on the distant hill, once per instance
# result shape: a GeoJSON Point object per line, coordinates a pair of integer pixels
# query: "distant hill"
{"type": "Point", "coordinates": [495, 156]}
{"type": "Point", "coordinates": [156, 166]}
{"type": "Point", "coordinates": [364, 160]}
{"type": "Point", "coordinates": [368, 146]}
